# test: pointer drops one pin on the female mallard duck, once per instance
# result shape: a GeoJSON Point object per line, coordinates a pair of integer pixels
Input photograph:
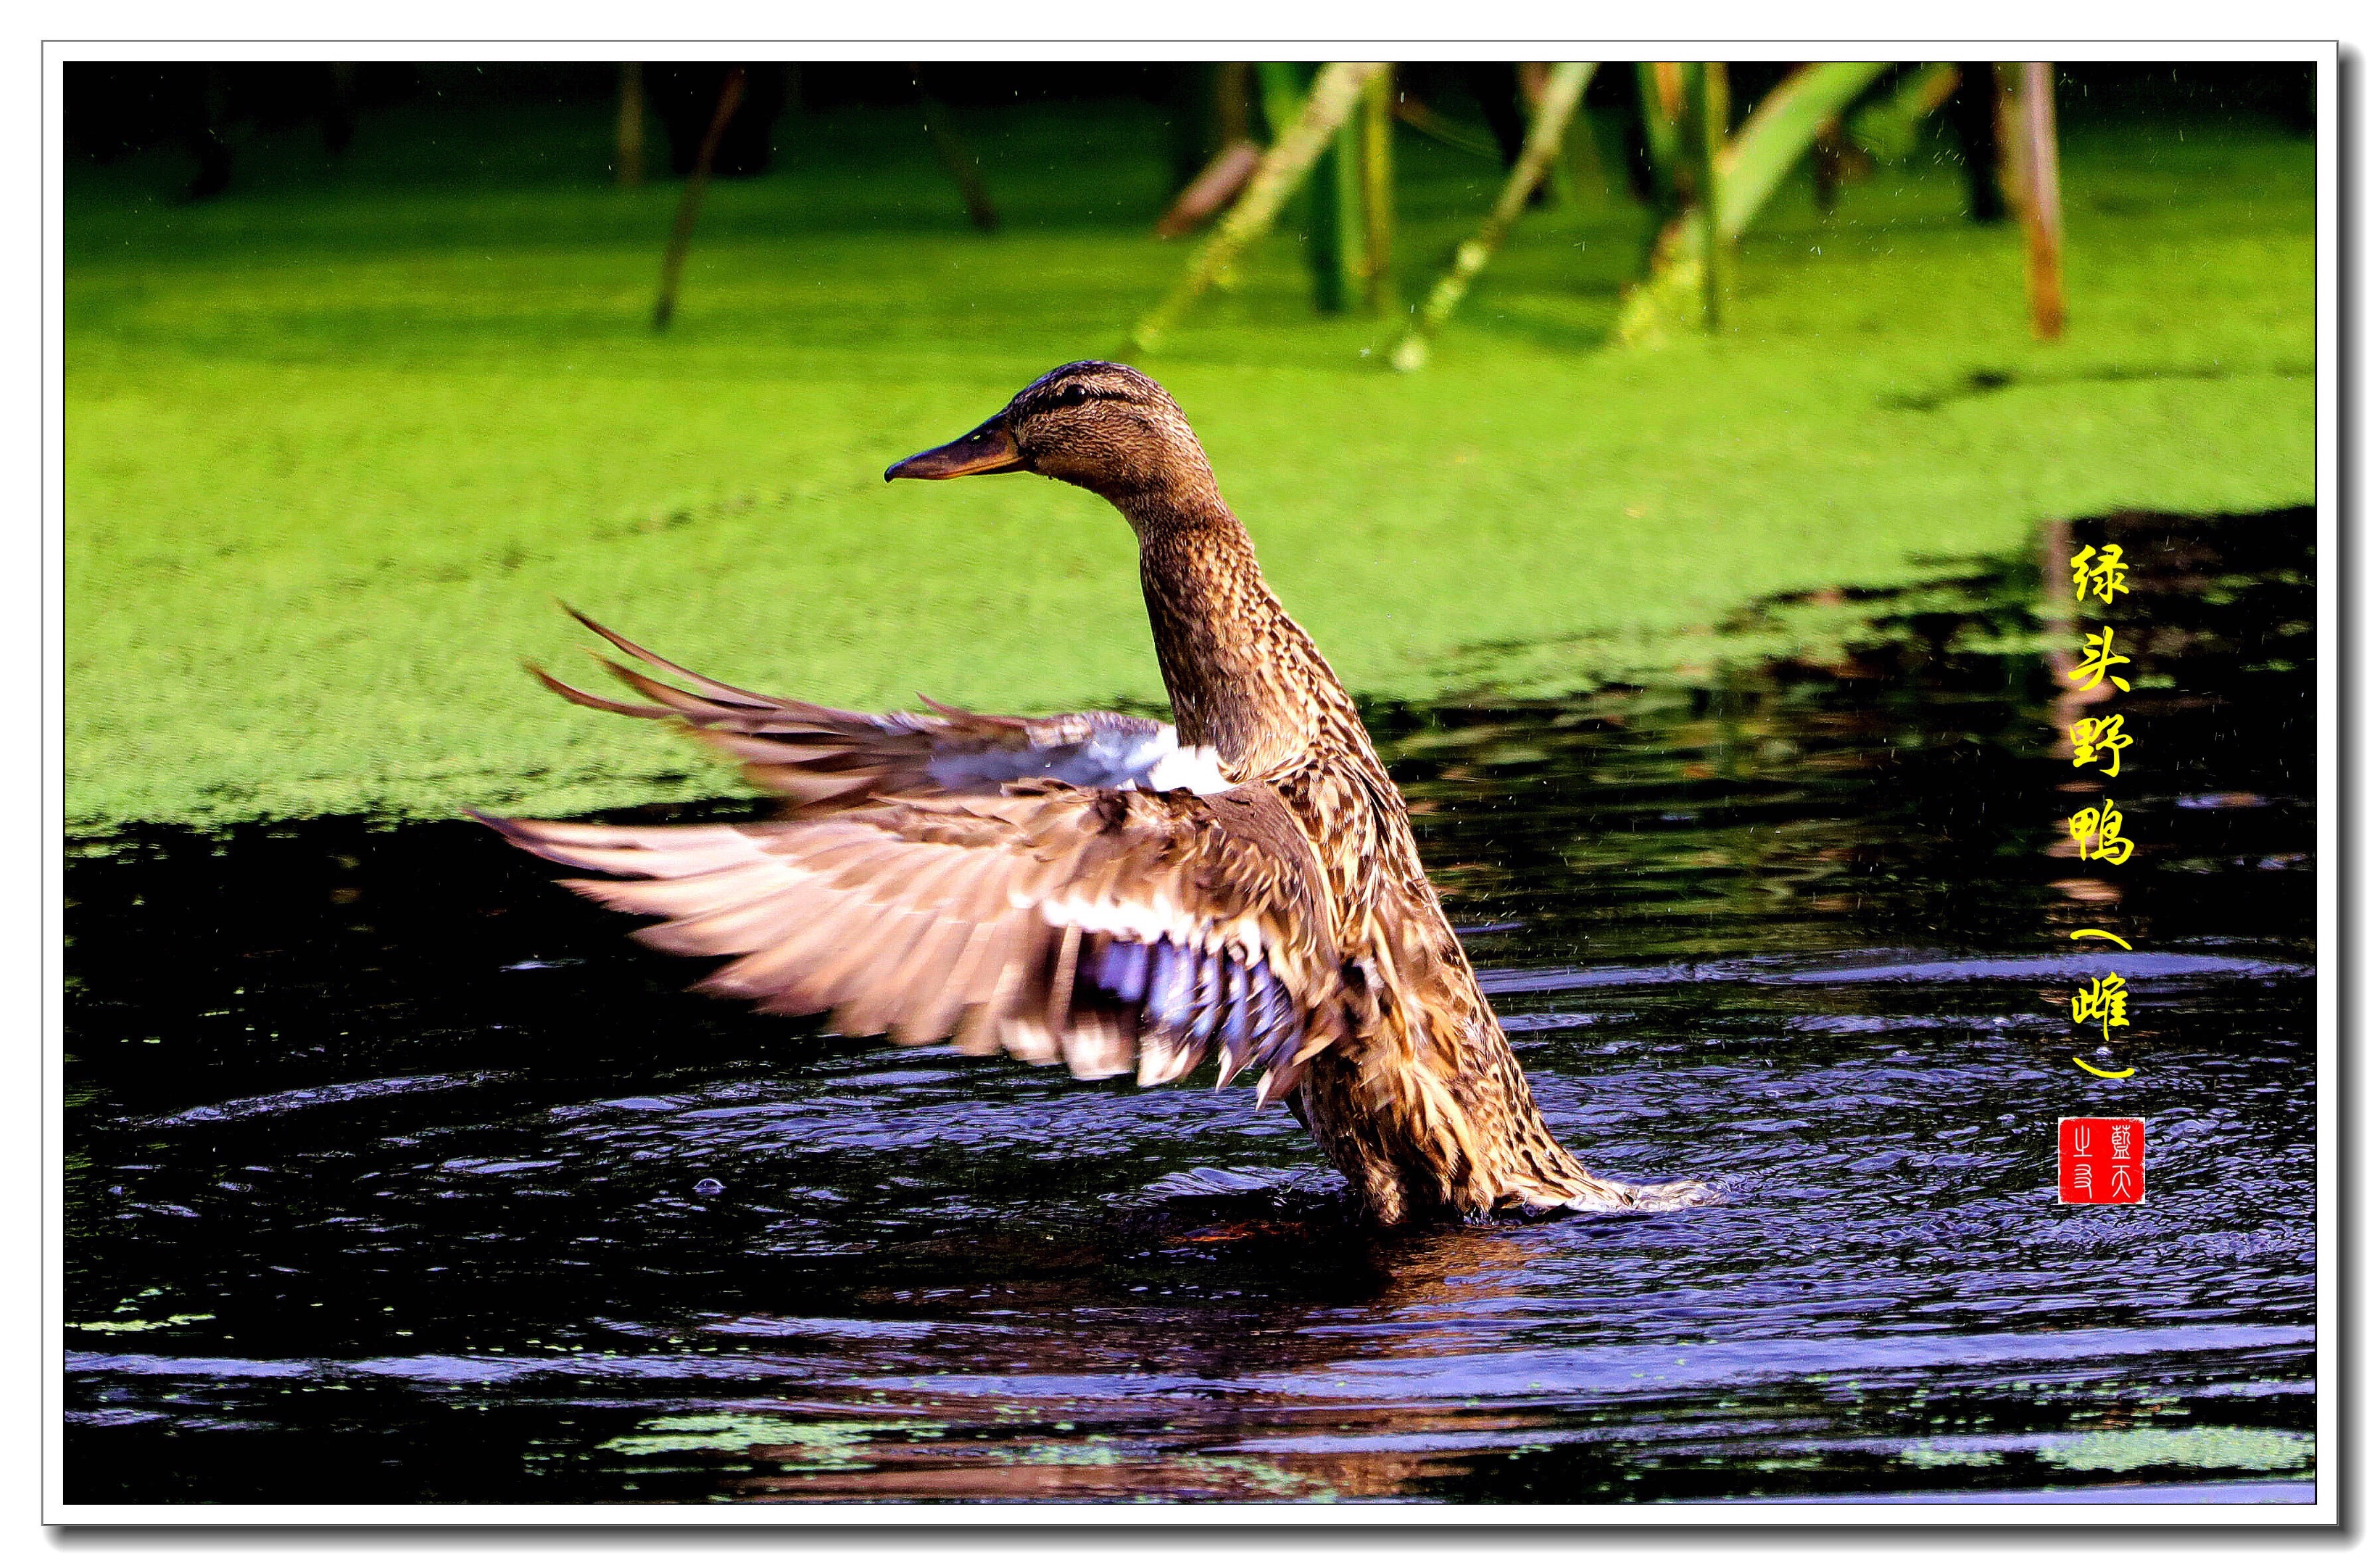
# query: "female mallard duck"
{"type": "Point", "coordinates": [1112, 892]}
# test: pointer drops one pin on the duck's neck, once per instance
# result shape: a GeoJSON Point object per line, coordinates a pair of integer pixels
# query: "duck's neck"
{"type": "Point", "coordinates": [1243, 676]}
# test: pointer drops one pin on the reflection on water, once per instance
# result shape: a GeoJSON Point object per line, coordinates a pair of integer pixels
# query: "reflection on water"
{"type": "Point", "coordinates": [396, 1175]}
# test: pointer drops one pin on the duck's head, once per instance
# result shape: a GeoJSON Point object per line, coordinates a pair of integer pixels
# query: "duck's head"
{"type": "Point", "coordinates": [1106, 427]}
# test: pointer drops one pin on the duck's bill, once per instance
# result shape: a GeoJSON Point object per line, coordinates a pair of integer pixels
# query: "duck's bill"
{"type": "Point", "coordinates": [987, 448]}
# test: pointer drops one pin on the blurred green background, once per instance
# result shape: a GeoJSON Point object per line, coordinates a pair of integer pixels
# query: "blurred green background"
{"type": "Point", "coordinates": [339, 433]}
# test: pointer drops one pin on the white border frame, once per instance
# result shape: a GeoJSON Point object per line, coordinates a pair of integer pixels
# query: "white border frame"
{"type": "Point", "coordinates": [2330, 802]}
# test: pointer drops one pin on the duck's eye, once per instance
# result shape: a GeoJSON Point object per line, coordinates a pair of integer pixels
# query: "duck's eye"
{"type": "Point", "coordinates": [1068, 397]}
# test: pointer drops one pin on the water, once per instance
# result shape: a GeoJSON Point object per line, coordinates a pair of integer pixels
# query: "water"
{"type": "Point", "coordinates": [397, 1175]}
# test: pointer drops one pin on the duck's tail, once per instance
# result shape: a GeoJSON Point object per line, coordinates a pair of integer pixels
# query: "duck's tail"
{"type": "Point", "coordinates": [1590, 1193]}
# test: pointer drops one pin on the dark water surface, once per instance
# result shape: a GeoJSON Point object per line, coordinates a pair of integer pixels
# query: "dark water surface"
{"type": "Point", "coordinates": [397, 1175]}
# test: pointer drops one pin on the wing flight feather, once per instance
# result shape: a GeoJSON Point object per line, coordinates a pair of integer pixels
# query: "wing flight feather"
{"type": "Point", "coordinates": [1114, 930]}
{"type": "Point", "coordinates": [1080, 888]}
{"type": "Point", "coordinates": [824, 759]}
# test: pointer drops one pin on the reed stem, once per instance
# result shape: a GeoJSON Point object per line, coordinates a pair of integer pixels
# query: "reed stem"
{"type": "Point", "coordinates": [2044, 280]}
{"type": "Point", "coordinates": [1565, 85]}
{"type": "Point", "coordinates": [689, 201]}
{"type": "Point", "coordinates": [1337, 86]}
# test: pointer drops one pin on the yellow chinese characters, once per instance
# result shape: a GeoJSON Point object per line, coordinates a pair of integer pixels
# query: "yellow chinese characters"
{"type": "Point", "coordinates": [2099, 656]}
{"type": "Point", "coordinates": [2100, 573]}
{"type": "Point", "coordinates": [2094, 735]}
{"type": "Point", "coordinates": [2103, 1003]}
{"type": "Point", "coordinates": [2099, 829]}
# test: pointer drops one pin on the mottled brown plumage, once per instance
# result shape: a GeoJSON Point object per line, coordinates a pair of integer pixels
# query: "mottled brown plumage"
{"type": "Point", "coordinates": [1104, 890]}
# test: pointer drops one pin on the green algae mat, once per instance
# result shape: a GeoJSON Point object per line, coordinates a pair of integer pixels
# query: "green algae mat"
{"type": "Point", "coordinates": [337, 441]}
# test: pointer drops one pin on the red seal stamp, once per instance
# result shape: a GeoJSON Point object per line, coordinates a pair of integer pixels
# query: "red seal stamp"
{"type": "Point", "coordinates": [2102, 1161]}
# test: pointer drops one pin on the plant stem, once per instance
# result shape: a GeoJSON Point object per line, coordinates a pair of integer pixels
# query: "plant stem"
{"type": "Point", "coordinates": [1221, 180]}
{"type": "Point", "coordinates": [2043, 238]}
{"type": "Point", "coordinates": [1660, 94]}
{"type": "Point", "coordinates": [1706, 126]}
{"type": "Point", "coordinates": [1748, 170]}
{"type": "Point", "coordinates": [1330, 214]}
{"type": "Point", "coordinates": [690, 202]}
{"type": "Point", "coordinates": [1530, 77]}
{"type": "Point", "coordinates": [1565, 84]}
{"type": "Point", "coordinates": [1336, 89]}
{"type": "Point", "coordinates": [1379, 195]}
{"type": "Point", "coordinates": [1334, 237]}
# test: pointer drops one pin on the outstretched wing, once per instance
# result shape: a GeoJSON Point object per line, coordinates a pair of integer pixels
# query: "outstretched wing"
{"type": "Point", "coordinates": [823, 759]}
{"type": "Point", "coordinates": [1116, 930]}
